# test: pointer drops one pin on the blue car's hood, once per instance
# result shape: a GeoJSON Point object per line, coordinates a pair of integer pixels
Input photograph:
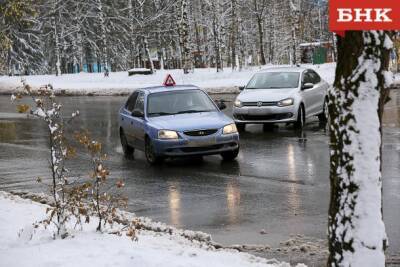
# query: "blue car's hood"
{"type": "Point", "coordinates": [191, 121]}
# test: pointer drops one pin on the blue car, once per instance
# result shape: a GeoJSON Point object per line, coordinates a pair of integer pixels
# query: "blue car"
{"type": "Point", "coordinates": [176, 121]}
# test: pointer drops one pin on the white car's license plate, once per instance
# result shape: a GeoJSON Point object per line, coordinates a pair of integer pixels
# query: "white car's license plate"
{"type": "Point", "coordinates": [259, 111]}
{"type": "Point", "coordinates": [198, 142]}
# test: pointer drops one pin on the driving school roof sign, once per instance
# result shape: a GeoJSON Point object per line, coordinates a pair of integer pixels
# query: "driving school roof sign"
{"type": "Point", "coordinates": [345, 15]}
{"type": "Point", "coordinates": [169, 81]}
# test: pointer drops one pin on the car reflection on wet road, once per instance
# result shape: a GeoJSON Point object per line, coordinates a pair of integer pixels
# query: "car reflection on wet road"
{"type": "Point", "coordinates": [279, 182]}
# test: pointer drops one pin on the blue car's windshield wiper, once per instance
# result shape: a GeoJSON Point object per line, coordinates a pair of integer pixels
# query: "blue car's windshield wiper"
{"type": "Point", "coordinates": [160, 114]}
{"type": "Point", "coordinates": [193, 111]}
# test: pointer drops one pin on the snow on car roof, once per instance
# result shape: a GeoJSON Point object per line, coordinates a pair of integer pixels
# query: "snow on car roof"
{"type": "Point", "coordinates": [161, 88]}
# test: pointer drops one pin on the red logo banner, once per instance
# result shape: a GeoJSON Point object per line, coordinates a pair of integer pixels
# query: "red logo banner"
{"type": "Point", "coordinates": [345, 15]}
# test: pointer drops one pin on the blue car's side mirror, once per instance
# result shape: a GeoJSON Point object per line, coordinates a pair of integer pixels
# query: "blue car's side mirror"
{"type": "Point", "coordinates": [137, 113]}
{"type": "Point", "coordinates": [221, 104]}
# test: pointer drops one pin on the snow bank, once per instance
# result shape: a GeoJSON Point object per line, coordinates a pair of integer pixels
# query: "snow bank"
{"type": "Point", "coordinates": [120, 83]}
{"type": "Point", "coordinates": [20, 246]}
{"type": "Point", "coordinates": [397, 79]}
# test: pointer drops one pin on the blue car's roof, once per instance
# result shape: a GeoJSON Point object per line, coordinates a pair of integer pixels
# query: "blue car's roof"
{"type": "Point", "coordinates": [156, 89]}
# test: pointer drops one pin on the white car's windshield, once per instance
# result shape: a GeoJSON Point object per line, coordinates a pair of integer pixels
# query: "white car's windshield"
{"type": "Point", "coordinates": [178, 102]}
{"type": "Point", "coordinates": [274, 80]}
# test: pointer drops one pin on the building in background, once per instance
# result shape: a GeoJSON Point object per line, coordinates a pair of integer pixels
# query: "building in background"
{"type": "Point", "coordinates": [317, 52]}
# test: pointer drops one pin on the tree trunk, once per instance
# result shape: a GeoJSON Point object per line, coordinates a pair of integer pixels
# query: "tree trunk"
{"type": "Point", "coordinates": [56, 40]}
{"type": "Point", "coordinates": [183, 28]}
{"type": "Point", "coordinates": [260, 22]}
{"type": "Point", "coordinates": [295, 18]}
{"type": "Point", "coordinates": [356, 230]}
{"type": "Point", "coordinates": [147, 52]}
{"type": "Point", "coordinates": [132, 47]}
{"type": "Point", "coordinates": [216, 33]}
{"type": "Point", "coordinates": [103, 41]}
{"type": "Point", "coordinates": [234, 33]}
{"type": "Point", "coordinates": [241, 45]}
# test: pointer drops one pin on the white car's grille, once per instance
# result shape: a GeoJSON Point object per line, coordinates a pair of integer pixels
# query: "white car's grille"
{"type": "Point", "coordinates": [259, 104]}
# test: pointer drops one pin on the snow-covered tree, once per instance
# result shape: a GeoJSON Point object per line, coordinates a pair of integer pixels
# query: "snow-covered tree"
{"type": "Point", "coordinates": [73, 199]}
{"type": "Point", "coordinates": [20, 37]}
{"type": "Point", "coordinates": [183, 30]}
{"type": "Point", "coordinates": [259, 9]}
{"type": "Point", "coordinates": [63, 36]}
{"type": "Point", "coordinates": [357, 234]}
{"type": "Point", "coordinates": [48, 110]}
{"type": "Point", "coordinates": [295, 18]}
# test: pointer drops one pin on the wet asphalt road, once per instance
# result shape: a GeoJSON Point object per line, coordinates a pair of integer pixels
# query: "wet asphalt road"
{"type": "Point", "coordinates": [279, 182]}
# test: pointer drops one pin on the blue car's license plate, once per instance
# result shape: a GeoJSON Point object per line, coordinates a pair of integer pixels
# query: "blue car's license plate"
{"type": "Point", "coordinates": [203, 142]}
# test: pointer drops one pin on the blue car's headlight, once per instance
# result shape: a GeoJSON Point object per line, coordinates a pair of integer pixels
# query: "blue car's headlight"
{"type": "Point", "coordinates": [167, 134]}
{"type": "Point", "coordinates": [229, 129]}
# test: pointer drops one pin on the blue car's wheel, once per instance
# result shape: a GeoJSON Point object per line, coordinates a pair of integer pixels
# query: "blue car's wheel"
{"type": "Point", "coordinates": [127, 149]}
{"type": "Point", "coordinates": [240, 126]}
{"type": "Point", "coordinates": [151, 156]}
{"type": "Point", "coordinates": [230, 155]}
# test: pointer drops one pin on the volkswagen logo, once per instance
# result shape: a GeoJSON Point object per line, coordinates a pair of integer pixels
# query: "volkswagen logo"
{"type": "Point", "coordinates": [259, 104]}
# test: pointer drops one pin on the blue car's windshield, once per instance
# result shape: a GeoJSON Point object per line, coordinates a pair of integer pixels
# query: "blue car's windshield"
{"type": "Point", "coordinates": [178, 102]}
{"type": "Point", "coordinates": [274, 80]}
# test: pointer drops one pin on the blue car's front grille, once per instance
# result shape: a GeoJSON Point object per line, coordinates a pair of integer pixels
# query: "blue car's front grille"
{"type": "Point", "coordinates": [201, 149]}
{"type": "Point", "coordinates": [201, 132]}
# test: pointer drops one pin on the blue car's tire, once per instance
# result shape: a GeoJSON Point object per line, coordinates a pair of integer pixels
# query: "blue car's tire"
{"type": "Point", "coordinates": [241, 127]}
{"type": "Point", "coordinates": [230, 155]}
{"type": "Point", "coordinates": [151, 157]}
{"type": "Point", "coordinates": [127, 149]}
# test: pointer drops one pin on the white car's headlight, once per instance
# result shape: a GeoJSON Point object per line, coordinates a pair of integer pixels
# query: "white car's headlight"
{"type": "Point", "coordinates": [286, 102]}
{"type": "Point", "coordinates": [237, 103]}
{"type": "Point", "coordinates": [167, 134]}
{"type": "Point", "coordinates": [229, 129]}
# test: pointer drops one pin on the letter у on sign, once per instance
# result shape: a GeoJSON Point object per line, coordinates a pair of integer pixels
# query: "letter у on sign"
{"type": "Point", "coordinates": [345, 15]}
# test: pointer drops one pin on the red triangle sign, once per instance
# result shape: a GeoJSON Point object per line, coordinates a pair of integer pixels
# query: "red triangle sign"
{"type": "Point", "coordinates": [169, 81]}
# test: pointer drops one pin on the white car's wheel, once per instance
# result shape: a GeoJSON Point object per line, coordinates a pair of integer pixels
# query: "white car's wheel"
{"type": "Point", "coordinates": [301, 118]}
{"type": "Point", "coordinates": [323, 117]}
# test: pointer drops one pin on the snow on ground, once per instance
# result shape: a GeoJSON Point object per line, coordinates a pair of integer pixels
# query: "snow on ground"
{"type": "Point", "coordinates": [20, 246]}
{"type": "Point", "coordinates": [397, 78]}
{"type": "Point", "coordinates": [120, 83]}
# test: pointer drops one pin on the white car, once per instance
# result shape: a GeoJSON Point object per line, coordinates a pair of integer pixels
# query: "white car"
{"type": "Point", "coordinates": [281, 95]}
